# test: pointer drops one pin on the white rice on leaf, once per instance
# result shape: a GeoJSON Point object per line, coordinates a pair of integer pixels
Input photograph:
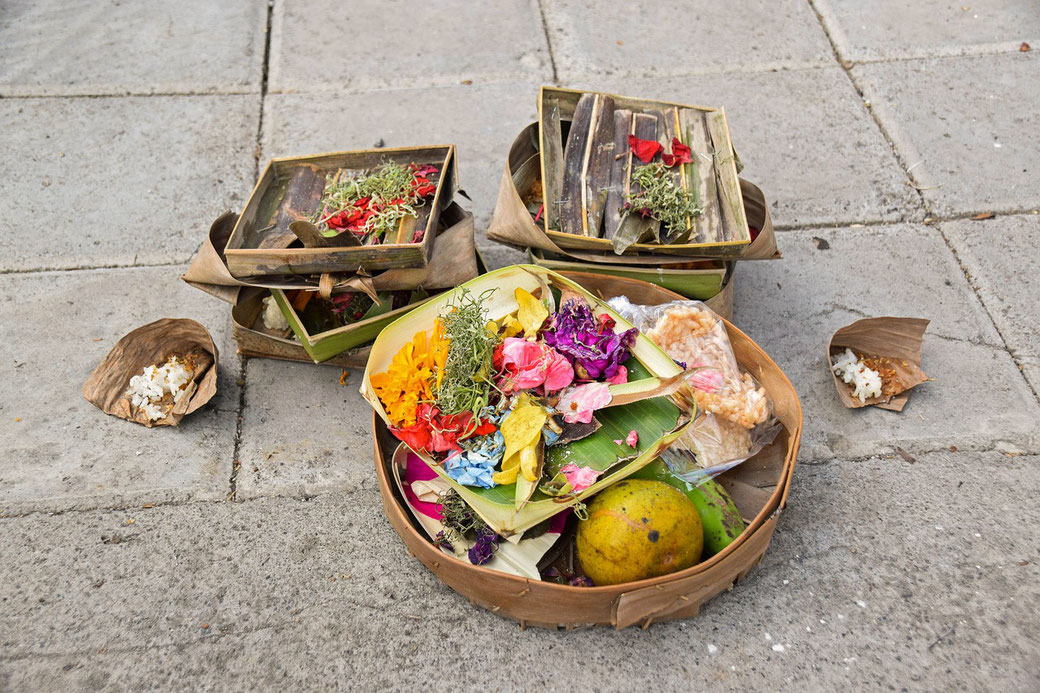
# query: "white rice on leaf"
{"type": "Point", "coordinates": [147, 390]}
{"type": "Point", "coordinates": [866, 382]}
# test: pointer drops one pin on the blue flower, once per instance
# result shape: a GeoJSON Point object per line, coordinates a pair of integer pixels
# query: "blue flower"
{"type": "Point", "coordinates": [476, 465]}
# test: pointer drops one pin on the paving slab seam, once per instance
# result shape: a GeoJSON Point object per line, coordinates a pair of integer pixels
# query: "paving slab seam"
{"type": "Point", "coordinates": [93, 268]}
{"type": "Point", "coordinates": [548, 40]}
{"type": "Point", "coordinates": [265, 67]}
{"type": "Point", "coordinates": [219, 634]}
{"type": "Point", "coordinates": [923, 451]}
{"type": "Point", "coordinates": [301, 498]}
{"type": "Point", "coordinates": [978, 296]}
{"type": "Point", "coordinates": [236, 462]}
{"type": "Point", "coordinates": [14, 96]}
{"type": "Point", "coordinates": [818, 225]}
{"type": "Point", "coordinates": [927, 221]}
{"type": "Point", "coordinates": [847, 68]}
{"type": "Point", "coordinates": [997, 446]}
{"type": "Point", "coordinates": [324, 89]}
{"type": "Point", "coordinates": [968, 52]}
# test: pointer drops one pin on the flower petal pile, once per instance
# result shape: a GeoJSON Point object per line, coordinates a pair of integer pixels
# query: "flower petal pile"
{"type": "Point", "coordinates": [591, 345]}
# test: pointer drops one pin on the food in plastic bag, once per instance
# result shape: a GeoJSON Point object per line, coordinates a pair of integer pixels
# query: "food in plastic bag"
{"type": "Point", "coordinates": [736, 410]}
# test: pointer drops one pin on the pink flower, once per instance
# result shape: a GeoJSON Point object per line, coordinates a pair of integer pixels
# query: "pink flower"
{"type": "Point", "coordinates": [633, 438]}
{"type": "Point", "coordinates": [580, 478]}
{"type": "Point", "coordinates": [620, 378]}
{"type": "Point", "coordinates": [526, 365]}
{"type": "Point", "coordinates": [707, 380]}
{"type": "Point", "coordinates": [560, 372]}
{"type": "Point", "coordinates": [578, 403]}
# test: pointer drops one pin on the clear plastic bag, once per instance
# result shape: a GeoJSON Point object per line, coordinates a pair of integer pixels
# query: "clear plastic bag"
{"type": "Point", "coordinates": [736, 419]}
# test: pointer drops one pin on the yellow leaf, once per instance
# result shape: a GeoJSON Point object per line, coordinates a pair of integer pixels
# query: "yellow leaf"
{"type": "Point", "coordinates": [532, 312]}
{"type": "Point", "coordinates": [522, 431]}
{"type": "Point", "coordinates": [508, 474]}
{"type": "Point", "coordinates": [529, 462]}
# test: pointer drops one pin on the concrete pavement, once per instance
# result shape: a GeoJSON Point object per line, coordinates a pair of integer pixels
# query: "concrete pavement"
{"type": "Point", "coordinates": [247, 550]}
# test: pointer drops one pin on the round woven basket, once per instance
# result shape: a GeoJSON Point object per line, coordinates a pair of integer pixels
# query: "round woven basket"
{"type": "Point", "coordinates": [759, 487]}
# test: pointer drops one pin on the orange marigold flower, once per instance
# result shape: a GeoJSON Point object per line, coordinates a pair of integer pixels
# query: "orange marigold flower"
{"type": "Point", "coordinates": [408, 380]}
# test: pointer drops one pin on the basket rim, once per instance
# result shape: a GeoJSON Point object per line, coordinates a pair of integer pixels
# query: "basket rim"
{"type": "Point", "coordinates": [776, 502]}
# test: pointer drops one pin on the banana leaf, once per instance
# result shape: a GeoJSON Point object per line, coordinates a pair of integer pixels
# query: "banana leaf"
{"type": "Point", "coordinates": [657, 405]}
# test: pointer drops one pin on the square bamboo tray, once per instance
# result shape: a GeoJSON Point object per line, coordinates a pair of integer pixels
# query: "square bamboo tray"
{"type": "Point", "coordinates": [722, 229]}
{"type": "Point", "coordinates": [247, 258]}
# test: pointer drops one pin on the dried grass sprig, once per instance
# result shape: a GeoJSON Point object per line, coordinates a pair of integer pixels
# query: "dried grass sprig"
{"type": "Point", "coordinates": [662, 198]}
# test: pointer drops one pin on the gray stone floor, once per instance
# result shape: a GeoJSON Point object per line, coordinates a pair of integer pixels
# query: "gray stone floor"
{"type": "Point", "coordinates": [247, 549]}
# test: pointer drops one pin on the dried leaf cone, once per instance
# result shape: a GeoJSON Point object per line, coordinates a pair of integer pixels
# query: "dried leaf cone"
{"type": "Point", "coordinates": [898, 339]}
{"type": "Point", "coordinates": [149, 345]}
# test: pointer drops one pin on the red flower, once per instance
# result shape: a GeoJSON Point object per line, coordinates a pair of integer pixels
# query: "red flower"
{"type": "Point", "coordinates": [496, 358]}
{"type": "Point", "coordinates": [680, 154]}
{"type": "Point", "coordinates": [645, 150]}
{"type": "Point", "coordinates": [486, 428]}
{"type": "Point", "coordinates": [433, 432]}
{"type": "Point", "coordinates": [423, 186]}
{"type": "Point", "coordinates": [416, 436]}
{"type": "Point", "coordinates": [337, 221]}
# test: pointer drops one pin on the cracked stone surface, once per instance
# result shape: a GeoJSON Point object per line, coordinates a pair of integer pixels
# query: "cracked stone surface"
{"type": "Point", "coordinates": [871, 30]}
{"type": "Point", "coordinates": [791, 308]}
{"type": "Point", "coordinates": [1003, 267]}
{"type": "Point", "coordinates": [58, 450]}
{"type": "Point", "coordinates": [958, 122]}
{"type": "Point", "coordinates": [247, 550]}
{"type": "Point", "coordinates": [315, 437]}
{"type": "Point", "coordinates": [459, 41]}
{"type": "Point", "coordinates": [141, 188]}
{"type": "Point", "coordinates": [191, 46]}
{"type": "Point", "coordinates": [836, 602]}
{"type": "Point", "coordinates": [637, 37]}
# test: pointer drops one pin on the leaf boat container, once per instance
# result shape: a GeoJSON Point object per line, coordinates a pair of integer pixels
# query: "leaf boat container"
{"type": "Point", "coordinates": [454, 260]}
{"type": "Point", "coordinates": [256, 340]}
{"type": "Point", "coordinates": [659, 420]}
{"type": "Point", "coordinates": [701, 280]}
{"type": "Point", "coordinates": [759, 487]}
{"type": "Point", "coordinates": [261, 244]}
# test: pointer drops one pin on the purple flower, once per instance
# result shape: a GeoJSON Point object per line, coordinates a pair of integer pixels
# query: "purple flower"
{"type": "Point", "coordinates": [484, 550]}
{"type": "Point", "coordinates": [441, 540]}
{"type": "Point", "coordinates": [591, 345]}
{"type": "Point", "coordinates": [581, 581]}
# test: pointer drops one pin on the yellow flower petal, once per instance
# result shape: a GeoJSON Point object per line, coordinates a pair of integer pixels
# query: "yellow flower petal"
{"type": "Point", "coordinates": [510, 326]}
{"type": "Point", "coordinates": [532, 312]}
{"type": "Point", "coordinates": [508, 474]}
{"type": "Point", "coordinates": [529, 461]}
{"type": "Point", "coordinates": [523, 426]}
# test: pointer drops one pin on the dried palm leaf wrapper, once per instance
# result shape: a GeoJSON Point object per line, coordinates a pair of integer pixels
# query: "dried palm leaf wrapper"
{"type": "Point", "coordinates": [890, 346]}
{"type": "Point", "coordinates": [452, 262]}
{"type": "Point", "coordinates": [152, 345]}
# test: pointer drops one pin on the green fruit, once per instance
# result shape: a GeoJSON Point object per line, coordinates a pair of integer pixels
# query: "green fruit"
{"type": "Point", "coordinates": [719, 514]}
{"type": "Point", "coordinates": [638, 529]}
